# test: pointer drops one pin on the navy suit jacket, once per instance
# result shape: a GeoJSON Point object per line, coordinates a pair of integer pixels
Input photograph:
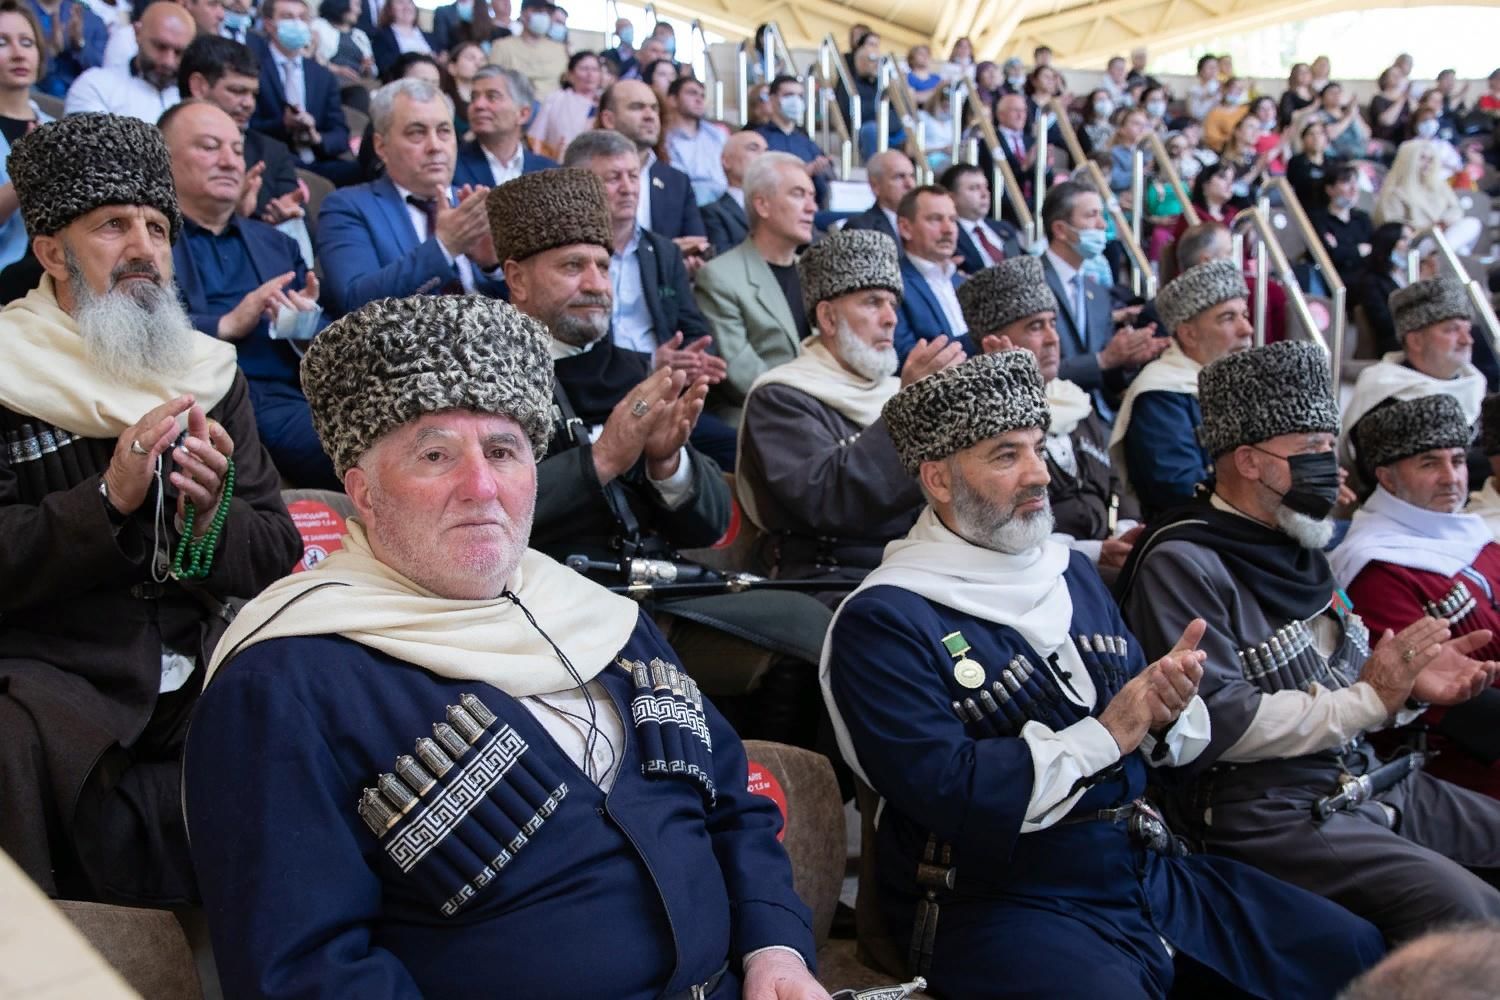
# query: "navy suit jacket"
{"type": "Point", "coordinates": [473, 168]}
{"type": "Point", "coordinates": [271, 253]}
{"type": "Point", "coordinates": [920, 317]}
{"type": "Point", "coordinates": [385, 48]}
{"type": "Point", "coordinates": [322, 89]}
{"type": "Point", "coordinates": [674, 210]}
{"type": "Point", "coordinates": [281, 166]}
{"type": "Point", "coordinates": [726, 224]}
{"type": "Point", "coordinates": [369, 250]}
{"type": "Point", "coordinates": [668, 293]}
{"type": "Point", "coordinates": [1002, 233]}
{"type": "Point", "coordinates": [874, 218]}
{"type": "Point", "coordinates": [1080, 364]}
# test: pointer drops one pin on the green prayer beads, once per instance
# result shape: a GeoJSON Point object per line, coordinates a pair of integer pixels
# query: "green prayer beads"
{"type": "Point", "coordinates": [194, 558]}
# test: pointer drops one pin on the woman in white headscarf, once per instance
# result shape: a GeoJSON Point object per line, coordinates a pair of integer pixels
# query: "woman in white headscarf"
{"type": "Point", "coordinates": [1416, 192]}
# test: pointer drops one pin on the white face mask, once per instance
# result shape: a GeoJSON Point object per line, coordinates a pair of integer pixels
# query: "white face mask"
{"type": "Point", "coordinates": [1428, 129]}
{"type": "Point", "coordinates": [1103, 108]}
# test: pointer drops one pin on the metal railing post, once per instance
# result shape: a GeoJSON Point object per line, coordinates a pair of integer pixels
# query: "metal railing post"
{"type": "Point", "coordinates": [1039, 179]}
{"type": "Point", "coordinates": [1137, 194]}
{"type": "Point", "coordinates": [742, 58]}
{"type": "Point", "coordinates": [1262, 291]}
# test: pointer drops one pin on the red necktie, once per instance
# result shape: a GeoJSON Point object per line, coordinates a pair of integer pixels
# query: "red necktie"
{"type": "Point", "coordinates": [996, 255]}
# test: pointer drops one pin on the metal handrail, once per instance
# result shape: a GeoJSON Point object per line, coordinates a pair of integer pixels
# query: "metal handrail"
{"type": "Point", "coordinates": [742, 72]}
{"type": "Point", "coordinates": [891, 90]}
{"type": "Point", "coordinates": [1142, 278]}
{"type": "Point", "coordinates": [1070, 136]}
{"type": "Point", "coordinates": [827, 68]}
{"type": "Point", "coordinates": [711, 80]}
{"type": "Point", "coordinates": [831, 62]}
{"type": "Point", "coordinates": [650, 11]}
{"type": "Point", "coordinates": [1477, 294]}
{"type": "Point", "coordinates": [1337, 291]}
{"type": "Point", "coordinates": [1005, 187]}
{"type": "Point", "coordinates": [612, 11]}
{"type": "Point", "coordinates": [776, 48]}
{"type": "Point", "coordinates": [834, 125]}
{"type": "Point", "coordinates": [1165, 165]}
{"type": "Point", "coordinates": [1268, 250]}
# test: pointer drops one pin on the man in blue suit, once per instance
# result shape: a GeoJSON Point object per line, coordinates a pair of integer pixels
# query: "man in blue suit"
{"type": "Point", "coordinates": [891, 177]}
{"type": "Point", "coordinates": [409, 232]}
{"type": "Point", "coordinates": [667, 205]}
{"type": "Point", "coordinates": [1095, 357]}
{"type": "Point", "coordinates": [499, 108]}
{"type": "Point", "coordinates": [83, 36]}
{"type": "Point", "coordinates": [982, 241]}
{"type": "Point", "coordinates": [928, 224]}
{"type": "Point", "coordinates": [239, 280]}
{"type": "Point", "coordinates": [299, 100]}
{"type": "Point", "coordinates": [725, 219]}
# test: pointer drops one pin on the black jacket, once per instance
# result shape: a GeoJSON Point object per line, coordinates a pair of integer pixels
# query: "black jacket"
{"type": "Point", "coordinates": [726, 223]}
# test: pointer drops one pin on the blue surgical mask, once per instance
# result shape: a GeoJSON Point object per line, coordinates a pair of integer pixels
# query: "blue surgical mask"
{"type": "Point", "coordinates": [538, 22]}
{"type": "Point", "coordinates": [627, 35]}
{"type": "Point", "coordinates": [558, 32]}
{"type": "Point", "coordinates": [1398, 260]}
{"type": "Point", "coordinates": [1156, 109]}
{"type": "Point", "coordinates": [236, 20]}
{"type": "Point", "coordinates": [1427, 129]}
{"type": "Point", "coordinates": [1103, 108]}
{"type": "Point", "coordinates": [466, 11]}
{"type": "Point", "coordinates": [1090, 243]}
{"type": "Point", "coordinates": [293, 34]}
{"type": "Point", "coordinates": [793, 106]}
{"type": "Point", "coordinates": [670, 44]}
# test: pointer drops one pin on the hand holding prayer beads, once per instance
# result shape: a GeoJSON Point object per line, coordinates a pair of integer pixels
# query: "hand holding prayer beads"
{"type": "Point", "coordinates": [128, 477]}
{"type": "Point", "coordinates": [202, 464]}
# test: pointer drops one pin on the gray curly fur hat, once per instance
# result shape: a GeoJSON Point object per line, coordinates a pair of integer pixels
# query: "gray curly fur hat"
{"type": "Point", "coordinates": [850, 260]}
{"type": "Point", "coordinates": [962, 405]}
{"type": "Point", "coordinates": [547, 209]}
{"type": "Point", "coordinates": [389, 362]}
{"type": "Point", "coordinates": [998, 296]}
{"type": "Point", "coordinates": [1255, 395]}
{"type": "Point", "coordinates": [1199, 288]}
{"type": "Point", "coordinates": [1423, 303]}
{"type": "Point", "coordinates": [1409, 427]}
{"type": "Point", "coordinates": [68, 168]}
{"type": "Point", "coordinates": [1489, 424]}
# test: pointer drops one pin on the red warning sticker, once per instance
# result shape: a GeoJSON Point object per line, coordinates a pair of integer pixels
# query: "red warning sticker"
{"type": "Point", "coordinates": [322, 531]}
{"type": "Point", "coordinates": [763, 782]}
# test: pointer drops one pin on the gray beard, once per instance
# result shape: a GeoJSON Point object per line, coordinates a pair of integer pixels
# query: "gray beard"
{"type": "Point", "coordinates": [869, 363]}
{"type": "Point", "coordinates": [576, 332]}
{"type": "Point", "coordinates": [1308, 532]}
{"type": "Point", "coordinates": [133, 334]}
{"type": "Point", "coordinates": [979, 523]}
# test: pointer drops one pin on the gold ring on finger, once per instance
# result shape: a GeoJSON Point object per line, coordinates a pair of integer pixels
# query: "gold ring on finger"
{"type": "Point", "coordinates": [1408, 654]}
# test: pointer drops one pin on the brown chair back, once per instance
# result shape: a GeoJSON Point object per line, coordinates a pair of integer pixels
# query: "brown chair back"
{"type": "Point", "coordinates": [147, 947]}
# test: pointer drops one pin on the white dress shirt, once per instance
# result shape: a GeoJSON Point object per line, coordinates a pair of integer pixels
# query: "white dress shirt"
{"type": "Point", "coordinates": [121, 47]}
{"type": "Point", "coordinates": [419, 223]}
{"type": "Point", "coordinates": [891, 217]}
{"type": "Point", "coordinates": [118, 92]}
{"type": "Point", "coordinates": [643, 206]}
{"type": "Point", "coordinates": [507, 170]}
{"type": "Point", "coordinates": [939, 278]}
{"type": "Point", "coordinates": [631, 321]}
{"type": "Point", "coordinates": [738, 194]}
{"type": "Point", "coordinates": [989, 234]}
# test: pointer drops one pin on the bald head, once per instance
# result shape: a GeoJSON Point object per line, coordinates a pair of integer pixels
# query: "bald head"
{"type": "Point", "coordinates": [162, 33]}
{"type": "Point", "coordinates": [739, 150]}
{"type": "Point", "coordinates": [891, 176]}
{"type": "Point", "coordinates": [208, 161]}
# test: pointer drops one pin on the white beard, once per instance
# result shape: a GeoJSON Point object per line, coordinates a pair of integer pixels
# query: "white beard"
{"type": "Point", "coordinates": [135, 333]}
{"type": "Point", "coordinates": [978, 522]}
{"type": "Point", "coordinates": [869, 363]}
{"type": "Point", "coordinates": [1308, 532]}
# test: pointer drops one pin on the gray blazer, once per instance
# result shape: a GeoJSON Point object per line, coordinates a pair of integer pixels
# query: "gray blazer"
{"type": "Point", "coordinates": [752, 322]}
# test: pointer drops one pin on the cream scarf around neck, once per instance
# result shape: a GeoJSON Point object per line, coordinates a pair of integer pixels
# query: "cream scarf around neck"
{"type": "Point", "coordinates": [1069, 404]}
{"type": "Point", "coordinates": [1393, 378]}
{"type": "Point", "coordinates": [47, 375]}
{"type": "Point", "coordinates": [353, 594]}
{"type": "Point", "coordinates": [1388, 529]}
{"type": "Point", "coordinates": [1172, 371]}
{"type": "Point", "coordinates": [817, 372]}
{"type": "Point", "coordinates": [1485, 503]}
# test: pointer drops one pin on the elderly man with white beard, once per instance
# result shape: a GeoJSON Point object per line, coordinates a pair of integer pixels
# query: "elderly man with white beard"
{"type": "Point", "coordinates": [122, 539]}
{"type": "Point", "coordinates": [817, 470]}
{"type": "Point", "coordinates": [1289, 781]}
{"type": "Point", "coordinates": [982, 682]}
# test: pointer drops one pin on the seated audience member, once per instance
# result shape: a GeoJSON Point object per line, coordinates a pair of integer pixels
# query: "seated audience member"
{"type": "Point", "coordinates": [653, 311]}
{"type": "Point", "coordinates": [298, 103]}
{"type": "Point", "coordinates": [1462, 963]}
{"type": "Point", "coordinates": [982, 240]}
{"type": "Point", "coordinates": [570, 110]}
{"type": "Point", "coordinates": [667, 206]}
{"type": "Point", "coordinates": [695, 144]}
{"type": "Point", "coordinates": [1221, 120]}
{"type": "Point", "coordinates": [227, 74]}
{"type": "Point", "coordinates": [117, 567]}
{"type": "Point", "coordinates": [1485, 501]}
{"type": "Point", "coordinates": [785, 132]}
{"type": "Point", "coordinates": [410, 232]}
{"type": "Point", "coordinates": [1433, 319]}
{"type": "Point", "coordinates": [1416, 192]}
{"type": "Point", "coordinates": [534, 53]}
{"type": "Point", "coordinates": [461, 22]}
{"type": "Point", "coordinates": [245, 283]}
{"type": "Point", "coordinates": [148, 85]}
{"type": "Point", "coordinates": [1384, 271]}
{"type": "Point", "coordinates": [398, 32]}
{"type": "Point", "coordinates": [1290, 681]}
{"type": "Point", "coordinates": [409, 66]}
{"type": "Point", "coordinates": [928, 225]}
{"type": "Point", "coordinates": [752, 295]}
{"type": "Point", "coordinates": [982, 682]}
{"type": "Point", "coordinates": [1348, 133]}
{"type": "Point", "coordinates": [1206, 313]}
{"type": "Point", "coordinates": [817, 469]}
{"type": "Point", "coordinates": [1413, 551]}
{"type": "Point", "coordinates": [344, 49]}
{"type": "Point", "coordinates": [725, 219]}
{"type": "Point", "coordinates": [207, 15]}
{"type": "Point", "coordinates": [1346, 231]}
{"type": "Point", "coordinates": [1095, 357]}
{"type": "Point", "coordinates": [1009, 307]}
{"type": "Point", "coordinates": [1308, 169]}
{"type": "Point", "coordinates": [236, 24]}
{"type": "Point", "coordinates": [1212, 196]}
{"type": "Point", "coordinates": [76, 40]}
{"type": "Point", "coordinates": [623, 479]}
{"type": "Point", "coordinates": [499, 107]}
{"type": "Point", "coordinates": [891, 176]}
{"type": "Point", "coordinates": [435, 411]}
{"type": "Point", "coordinates": [19, 114]}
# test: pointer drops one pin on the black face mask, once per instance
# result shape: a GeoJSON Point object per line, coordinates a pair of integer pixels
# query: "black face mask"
{"type": "Point", "coordinates": [1315, 483]}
